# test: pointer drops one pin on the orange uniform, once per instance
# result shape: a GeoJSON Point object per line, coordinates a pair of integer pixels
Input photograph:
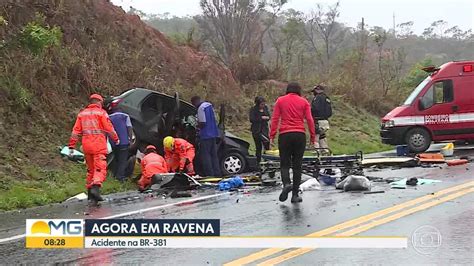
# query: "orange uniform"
{"type": "Point", "coordinates": [181, 157]}
{"type": "Point", "coordinates": [151, 164]}
{"type": "Point", "coordinates": [93, 124]}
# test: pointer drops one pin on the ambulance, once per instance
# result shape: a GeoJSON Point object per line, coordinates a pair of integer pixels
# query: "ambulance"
{"type": "Point", "coordinates": [440, 108]}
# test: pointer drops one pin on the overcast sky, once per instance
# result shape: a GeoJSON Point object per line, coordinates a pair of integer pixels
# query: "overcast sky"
{"type": "Point", "coordinates": [375, 12]}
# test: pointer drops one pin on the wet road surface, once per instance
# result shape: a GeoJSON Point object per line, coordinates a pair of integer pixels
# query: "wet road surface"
{"type": "Point", "coordinates": [256, 212]}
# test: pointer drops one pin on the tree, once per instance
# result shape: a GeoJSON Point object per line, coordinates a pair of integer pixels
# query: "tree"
{"type": "Point", "coordinates": [322, 25]}
{"type": "Point", "coordinates": [389, 61]}
{"type": "Point", "coordinates": [454, 32]}
{"type": "Point", "coordinates": [405, 29]}
{"type": "Point", "coordinates": [236, 28]}
{"type": "Point", "coordinates": [291, 32]}
{"type": "Point", "coordinates": [437, 29]}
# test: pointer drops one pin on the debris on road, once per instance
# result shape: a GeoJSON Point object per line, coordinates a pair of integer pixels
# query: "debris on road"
{"type": "Point", "coordinates": [455, 162]}
{"type": "Point", "coordinates": [412, 181]}
{"type": "Point", "coordinates": [391, 161]}
{"type": "Point", "coordinates": [402, 150]}
{"type": "Point", "coordinates": [80, 196]}
{"type": "Point", "coordinates": [180, 194]}
{"type": "Point", "coordinates": [354, 183]}
{"type": "Point", "coordinates": [311, 184]}
{"type": "Point", "coordinates": [231, 183]}
{"type": "Point", "coordinates": [448, 150]}
{"type": "Point", "coordinates": [431, 158]}
{"type": "Point", "coordinates": [374, 192]}
{"type": "Point", "coordinates": [402, 183]}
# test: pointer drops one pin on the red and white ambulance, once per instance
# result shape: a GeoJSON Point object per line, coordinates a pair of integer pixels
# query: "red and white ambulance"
{"type": "Point", "coordinates": [440, 108]}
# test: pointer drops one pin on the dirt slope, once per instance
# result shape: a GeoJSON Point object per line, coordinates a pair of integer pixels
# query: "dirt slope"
{"type": "Point", "coordinates": [103, 49]}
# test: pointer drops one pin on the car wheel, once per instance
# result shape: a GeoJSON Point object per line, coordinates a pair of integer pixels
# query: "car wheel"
{"type": "Point", "coordinates": [418, 139]}
{"type": "Point", "coordinates": [233, 163]}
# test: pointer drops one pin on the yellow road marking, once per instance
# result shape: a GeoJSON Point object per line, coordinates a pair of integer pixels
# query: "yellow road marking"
{"type": "Point", "coordinates": [363, 228]}
{"type": "Point", "coordinates": [351, 223]}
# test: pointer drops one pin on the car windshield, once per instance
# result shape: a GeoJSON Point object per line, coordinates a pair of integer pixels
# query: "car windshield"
{"type": "Point", "coordinates": [417, 91]}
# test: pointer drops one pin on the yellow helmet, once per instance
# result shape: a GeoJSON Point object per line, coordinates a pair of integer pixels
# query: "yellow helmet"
{"type": "Point", "coordinates": [168, 143]}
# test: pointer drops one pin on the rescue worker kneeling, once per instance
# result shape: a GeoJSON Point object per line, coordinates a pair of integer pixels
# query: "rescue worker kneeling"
{"type": "Point", "coordinates": [152, 166]}
{"type": "Point", "coordinates": [179, 155]}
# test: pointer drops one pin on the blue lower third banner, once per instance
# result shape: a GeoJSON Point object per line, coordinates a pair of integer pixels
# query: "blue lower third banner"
{"type": "Point", "coordinates": [151, 227]}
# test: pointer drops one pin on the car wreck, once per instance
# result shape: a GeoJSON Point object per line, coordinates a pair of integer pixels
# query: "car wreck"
{"type": "Point", "coordinates": [155, 115]}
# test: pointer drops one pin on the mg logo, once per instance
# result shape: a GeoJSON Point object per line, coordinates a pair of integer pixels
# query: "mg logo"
{"type": "Point", "coordinates": [54, 227]}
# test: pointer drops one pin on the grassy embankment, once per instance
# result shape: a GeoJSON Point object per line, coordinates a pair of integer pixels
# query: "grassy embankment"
{"type": "Point", "coordinates": [352, 129]}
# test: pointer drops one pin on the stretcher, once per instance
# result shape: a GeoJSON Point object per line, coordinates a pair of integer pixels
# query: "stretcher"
{"type": "Point", "coordinates": [348, 164]}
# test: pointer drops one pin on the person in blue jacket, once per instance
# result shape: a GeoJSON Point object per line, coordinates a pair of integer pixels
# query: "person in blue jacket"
{"type": "Point", "coordinates": [123, 127]}
{"type": "Point", "coordinates": [207, 138]}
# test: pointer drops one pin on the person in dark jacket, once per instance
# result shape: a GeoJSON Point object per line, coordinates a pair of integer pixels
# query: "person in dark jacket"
{"type": "Point", "coordinates": [321, 111]}
{"type": "Point", "coordinates": [259, 117]}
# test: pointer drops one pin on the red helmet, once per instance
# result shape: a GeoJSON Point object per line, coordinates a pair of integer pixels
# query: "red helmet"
{"type": "Point", "coordinates": [96, 96]}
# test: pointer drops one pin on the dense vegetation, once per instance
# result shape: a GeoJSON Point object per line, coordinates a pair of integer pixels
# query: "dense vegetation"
{"type": "Point", "coordinates": [369, 66]}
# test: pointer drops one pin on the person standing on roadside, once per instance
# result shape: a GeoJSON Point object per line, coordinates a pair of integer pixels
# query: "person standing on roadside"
{"type": "Point", "coordinates": [321, 111]}
{"type": "Point", "coordinates": [93, 124]}
{"type": "Point", "coordinates": [289, 114]}
{"type": "Point", "coordinates": [208, 137]}
{"type": "Point", "coordinates": [123, 127]}
{"type": "Point", "coordinates": [259, 117]}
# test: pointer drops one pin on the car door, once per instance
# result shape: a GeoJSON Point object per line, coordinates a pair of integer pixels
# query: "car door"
{"type": "Point", "coordinates": [172, 115]}
{"type": "Point", "coordinates": [152, 110]}
{"type": "Point", "coordinates": [437, 106]}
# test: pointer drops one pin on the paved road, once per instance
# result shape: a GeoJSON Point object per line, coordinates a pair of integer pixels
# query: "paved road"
{"type": "Point", "coordinates": [256, 212]}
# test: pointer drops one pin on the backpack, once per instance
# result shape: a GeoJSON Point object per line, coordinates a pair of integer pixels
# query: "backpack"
{"type": "Point", "coordinates": [321, 107]}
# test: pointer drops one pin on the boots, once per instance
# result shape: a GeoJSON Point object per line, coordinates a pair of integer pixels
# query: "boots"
{"type": "Point", "coordinates": [295, 198]}
{"type": "Point", "coordinates": [95, 193]}
{"type": "Point", "coordinates": [284, 192]}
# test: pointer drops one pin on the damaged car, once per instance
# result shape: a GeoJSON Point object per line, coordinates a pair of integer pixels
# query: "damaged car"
{"type": "Point", "coordinates": [155, 115]}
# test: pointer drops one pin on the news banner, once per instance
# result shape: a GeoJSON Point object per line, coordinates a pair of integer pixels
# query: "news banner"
{"type": "Point", "coordinates": [174, 233]}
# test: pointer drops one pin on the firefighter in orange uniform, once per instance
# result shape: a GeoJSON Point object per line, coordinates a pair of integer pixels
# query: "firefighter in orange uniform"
{"type": "Point", "coordinates": [179, 154]}
{"type": "Point", "coordinates": [93, 124]}
{"type": "Point", "coordinates": [152, 164]}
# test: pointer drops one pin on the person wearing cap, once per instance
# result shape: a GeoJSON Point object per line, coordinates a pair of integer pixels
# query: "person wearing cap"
{"type": "Point", "coordinates": [321, 111]}
{"type": "Point", "coordinates": [179, 155]}
{"type": "Point", "coordinates": [152, 165]}
{"type": "Point", "coordinates": [93, 125]}
{"type": "Point", "coordinates": [123, 127]}
{"type": "Point", "coordinates": [259, 115]}
{"type": "Point", "coordinates": [289, 113]}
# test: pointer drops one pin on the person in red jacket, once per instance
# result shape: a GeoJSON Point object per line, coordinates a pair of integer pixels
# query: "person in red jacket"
{"type": "Point", "coordinates": [179, 154]}
{"type": "Point", "coordinates": [93, 125]}
{"type": "Point", "coordinates": [152, 164]}
{"type": "Point", "coordinates": [289, 114]}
